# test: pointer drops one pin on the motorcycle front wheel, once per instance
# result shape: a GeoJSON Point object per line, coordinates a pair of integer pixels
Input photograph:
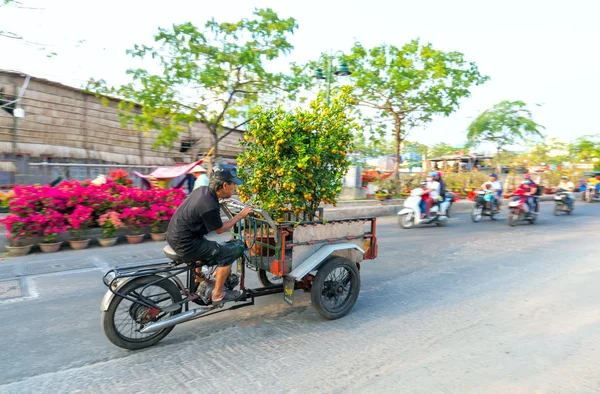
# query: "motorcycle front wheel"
{"type": "Point", "coordinates": [476, 214]}
{"type": "Point", "coordinates": [407, 220]}
{"type": "Point", "coordinates": [124, 319]}
{"type": "Point", "coordinates": [512, 219]}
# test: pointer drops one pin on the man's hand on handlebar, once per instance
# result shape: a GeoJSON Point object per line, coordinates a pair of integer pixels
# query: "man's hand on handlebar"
{"type": "Point", "coordinates": [246, 211]}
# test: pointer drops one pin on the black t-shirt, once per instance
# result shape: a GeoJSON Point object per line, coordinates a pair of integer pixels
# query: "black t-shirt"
{"type": "Point", "coordinates": [198, 215]}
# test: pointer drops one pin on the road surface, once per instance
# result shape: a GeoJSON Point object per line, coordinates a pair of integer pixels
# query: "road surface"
{"type": "Point", "coordinates": [469, 308]}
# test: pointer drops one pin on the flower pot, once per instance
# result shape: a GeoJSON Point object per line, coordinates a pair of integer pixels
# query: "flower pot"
{"type": "Point", "coordinates": [79, 244]}
{"type": "Point", "coordinates": [135, 239]}
{"type": "Point", "coordinates": [108, 241]}
{"type": "Point", "coordinates": [50, 247]}
{"type": "Point", "coordinates": [18, 250]}
{"type": "Point", "coordinates": [158, 237]}
{"type": "Point", "coordinates": [260, 250]}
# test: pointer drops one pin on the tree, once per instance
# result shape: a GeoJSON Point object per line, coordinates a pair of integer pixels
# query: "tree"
{"type": "Point", "coordinates": [544, 153]}
{"type": "Point", "coordinates": [586, 148]}
{"type": "Point", "coordinates": [295, 160]}
{"type": "Point", "coordinates": [506, 123]}
{"type": "Point", "coordinates": [405, 87]}
{"type": "Point", "coordinates": [443, 149]}
{"type": "Point", "coordinates": [209, 75]}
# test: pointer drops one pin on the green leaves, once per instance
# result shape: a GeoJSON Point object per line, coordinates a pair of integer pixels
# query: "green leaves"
{"type": "Point", "coordinates": [506, 123]}
{"type": "Point", "coordinates": [208, 74]}
{"type": "Point", "coordinates": [410, 84]}
{"type": "Point", "coordinates": [294, 160]}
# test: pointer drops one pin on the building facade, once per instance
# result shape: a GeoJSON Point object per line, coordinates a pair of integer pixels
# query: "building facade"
{"type": "Point", "coordinates": [62, 124]}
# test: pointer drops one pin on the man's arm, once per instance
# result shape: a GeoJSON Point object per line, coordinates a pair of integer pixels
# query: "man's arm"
{"type": "Point", "coordinates": [231, 222]}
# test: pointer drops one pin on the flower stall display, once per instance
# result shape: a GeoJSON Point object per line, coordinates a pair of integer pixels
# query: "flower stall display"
{"type": "Point", "coordinates": [49, 225]}
{"type": "Point", "coordinates": [40, 214]}
{"type": "Point", "coordinates": [19, 235]}
{"type": "Point", "coordinates": [294, 161]}
{"type": "Point", "coordinates": [78, 224]}
{"type": "Point", "coordinates": [159, 215]}
{"type": "Point", "coordinates": [109, 223]}
{"type": "Point", "coordinates": [120, 177]}
{"type": "Point", "coordinates": [136, 219]}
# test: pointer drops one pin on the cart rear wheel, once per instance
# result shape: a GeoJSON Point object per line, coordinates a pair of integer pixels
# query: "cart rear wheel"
{"type": "Point", "coordinates": [267, 279]}
{"type": "Point", "coordinates": [335, 288]}
{"type": "Point", "coordinates": [123, 319]}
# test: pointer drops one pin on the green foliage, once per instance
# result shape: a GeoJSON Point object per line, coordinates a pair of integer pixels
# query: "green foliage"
{"type": "Point", "coordinates": [293, 161]}
{"type": "Point", "coordinates": [586, 148]}
{"type": "Point", "coordinates": [211, 75]}
{"type": "Point", "coordinates": [406, 86]}
{"type": "Point", "coordinates": [506, 123]}
{"type": "Point", "coordinates": [443, 149]}
{"type": "Point", "coordinates": [541, 153]}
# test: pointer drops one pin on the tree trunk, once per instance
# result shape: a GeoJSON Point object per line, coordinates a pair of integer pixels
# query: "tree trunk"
{"type": "Point", "coordinates": [498, 165]}
{"type": "Point", "coordinates": [398, 141]}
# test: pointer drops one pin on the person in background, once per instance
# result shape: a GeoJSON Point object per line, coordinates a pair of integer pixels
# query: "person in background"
{"type": "Point", "coordinates": [568, 186]}
{"type": "Point", "coordinates": [199, 173]}
{"type": "Point", "coordinates": [530, 188]}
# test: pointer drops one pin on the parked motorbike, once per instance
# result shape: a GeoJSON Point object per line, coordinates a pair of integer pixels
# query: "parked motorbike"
{"type": "Point", "coordinates": [561, 204]}
{"type": "Point", "coordinates": [483, 206]}
{"type": "Point", "coordinates": [519, 210]}
{"type": "Point", "coordinates": [410, 214]}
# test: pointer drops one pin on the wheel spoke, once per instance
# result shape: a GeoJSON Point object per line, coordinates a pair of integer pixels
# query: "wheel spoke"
{"type": "Point", "coordinates": [128, 314]}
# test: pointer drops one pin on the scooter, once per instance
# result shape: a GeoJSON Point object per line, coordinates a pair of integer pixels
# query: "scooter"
{"type": "Point", "coordinates": [410, 214]}
{"type": "Point", "coordinates": [519, 210]}
{"type": "Point", "coordinates": [483, 206]}
{"type": "Point", "coordinates": [561, 205]}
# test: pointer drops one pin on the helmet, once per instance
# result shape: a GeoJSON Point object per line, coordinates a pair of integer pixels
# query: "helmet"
{"type": "Point", "coordinates": [564, 177]}
{"type": "Point", "coordinates": [438, 174]}
{"type": "Point", "coordinates": [494, 175]}
{"type": "Point", "coordinates": [433, 173]}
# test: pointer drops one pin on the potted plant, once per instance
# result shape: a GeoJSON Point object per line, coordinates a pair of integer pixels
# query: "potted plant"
{"type": "Point", "coordinates": [160, 216]}
{"type": "Point", "coordinates": [294, 161]}
{"type": "Point", "coordinates": [50, 224]}
{"type": "Point", "coordinates": [19, 230]}
{"type": "Point", "coordinates": [109, 223]}
{"type": "Point", "coordinates": [121, 177]}
{"type": "Point", "coordinates": [136, 219]}
{"type": "Point", "coordinates": [79, 222]}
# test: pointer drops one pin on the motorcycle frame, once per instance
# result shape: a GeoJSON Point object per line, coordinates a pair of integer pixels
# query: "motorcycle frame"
{"type": "Point", "coordinates": [118, 277]}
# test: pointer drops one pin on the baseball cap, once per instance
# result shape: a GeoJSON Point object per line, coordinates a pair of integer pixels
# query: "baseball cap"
{"type": "Point", "coordinates": [494, 175]}
{"type": "Point", "coordinates": [226, 173]}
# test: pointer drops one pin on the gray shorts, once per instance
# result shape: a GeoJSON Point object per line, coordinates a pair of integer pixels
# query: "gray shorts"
{"type": "Point", "coordinates": [213, 253]}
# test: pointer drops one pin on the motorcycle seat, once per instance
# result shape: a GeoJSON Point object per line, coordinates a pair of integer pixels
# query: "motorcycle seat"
{"type": "Point", "coordinates": [171, 254]}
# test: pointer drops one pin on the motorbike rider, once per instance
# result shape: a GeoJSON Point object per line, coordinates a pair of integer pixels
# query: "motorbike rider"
{"type": "Point", "coordinates": [200, 214]}
{"type": "Point", "coordinates": [442, 195]}
{"type": "Point", "coordinates": [567, 186]}
{"type": "Point", "coordinates": [496, 191]}
{"type": "Point", "coordinates": [529, 188]}
{"type": "Point", "coordinates": [433, 187]}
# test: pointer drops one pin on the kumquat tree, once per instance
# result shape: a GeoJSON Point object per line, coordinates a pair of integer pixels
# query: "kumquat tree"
{"type": "Point", "coordinates": [294, 161]}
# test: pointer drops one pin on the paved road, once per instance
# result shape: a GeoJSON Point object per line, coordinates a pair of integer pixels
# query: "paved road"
{"type": "Point", "coordinates": [470, 308]}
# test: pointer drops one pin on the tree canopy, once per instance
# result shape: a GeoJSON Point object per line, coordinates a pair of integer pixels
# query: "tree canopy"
{"type": "Point", "coordinates": [405, 87]}
{"type": "Point", "coordinates": [211, 75]}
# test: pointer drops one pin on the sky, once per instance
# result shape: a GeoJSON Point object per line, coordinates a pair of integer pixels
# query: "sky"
{"type": "Point", "coordinates": [539, 51]}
